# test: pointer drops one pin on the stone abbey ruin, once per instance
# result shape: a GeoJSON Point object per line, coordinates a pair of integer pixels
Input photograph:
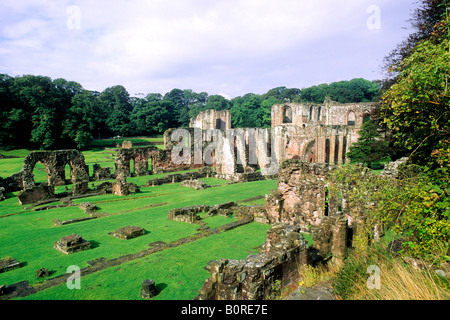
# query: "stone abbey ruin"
{"type": "Point", "coordinates": [301, 148]}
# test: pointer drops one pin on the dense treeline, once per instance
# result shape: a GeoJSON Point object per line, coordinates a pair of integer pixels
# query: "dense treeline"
{"type": "Point", "coordinates": [37, 112]}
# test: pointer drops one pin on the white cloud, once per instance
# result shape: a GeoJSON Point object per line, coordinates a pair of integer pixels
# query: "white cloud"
{"type": "Point", "coordinates": [227, 46]}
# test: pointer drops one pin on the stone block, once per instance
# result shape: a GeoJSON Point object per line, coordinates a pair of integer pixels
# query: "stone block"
{"type": "Point", "coordinates": [148, 289]}
{"type": "Point", "coordinates": [36, 193]}
{"type": "Point", "coordinates": [72, 243]}
{"type": "Point", "coordinates": [128, 232]}
{"type": "Point", "coordinates": [8, 264]}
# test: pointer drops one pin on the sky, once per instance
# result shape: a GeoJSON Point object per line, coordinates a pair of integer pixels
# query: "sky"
{"type": "Point", "coordinates": [227, 47]}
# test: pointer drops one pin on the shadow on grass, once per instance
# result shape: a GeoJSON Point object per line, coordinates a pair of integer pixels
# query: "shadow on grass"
{"type": "Point", "coordinates": [94, 244]}
{"type": "Point", "coordinates": [160, 287]}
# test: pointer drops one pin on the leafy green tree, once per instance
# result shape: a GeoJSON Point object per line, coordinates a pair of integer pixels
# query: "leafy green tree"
{"type": "Point", "coordinates": [39, 95]}
{"type": "Point", "coordinates": [417, 107]}
{"type": "Point", "coordinates": [79, 123]}
{"type": "Point", "coordinates": [266, 111]}
{"type": "Point", "coordinates": [15, 117]}
{"type": "Point", "coordinates": [117, 107]}
{"type": "Point", "coordinates": [423, 21]}
{"type": "Point", "coordinates": [370, 147]}
{"type": "Point", "coordinates": [178, 116]}
{"type": "Point", "coordinates": [246, 111]}
{"type": "Point", "coordinates": [197, 103]}
{"type": "Point", "coordinates": [217, 102]}
{"type": "Point", "coordinates": [315, 94]}
{"type": "Point", "coordinates": [151, 116]}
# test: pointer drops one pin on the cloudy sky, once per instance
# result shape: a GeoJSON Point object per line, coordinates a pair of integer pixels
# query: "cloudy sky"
{"type": "Point", "coordinates": [228, 47]}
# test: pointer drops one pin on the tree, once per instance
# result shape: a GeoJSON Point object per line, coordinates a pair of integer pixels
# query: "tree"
{"type": "Point", "coordinates": [79, 123]}
{"type": "Point", "coordinates": [423, 22]}
{"type": "Point", "coordinates": [117, 107]}
{"type": "Point", "coordinates": [417, 107]}
{"type": "Point", "coordinates": [217, 102]}
{"type": "Point", "coordinates": [15, 117]}
{"type": "Point", "coordinates": [178, 116]}
{"type": "Point", "coordinates": [39, 95]}
{"type": "Point", "coordinates": [370, 147]}
{"type": "Point", "coordinates": [315, 94]}
{"type": "Point", "coordinates": [246, 111]}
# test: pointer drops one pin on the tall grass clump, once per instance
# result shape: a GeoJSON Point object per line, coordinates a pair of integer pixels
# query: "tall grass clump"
{"type": "Point", "coordinates": [398, 280]}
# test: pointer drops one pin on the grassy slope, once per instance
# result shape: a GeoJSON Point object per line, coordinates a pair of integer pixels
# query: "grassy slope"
{"type": "Point", "coordinates": [178, 272]}
{"type": "Point", "coordinates": [29, 237]}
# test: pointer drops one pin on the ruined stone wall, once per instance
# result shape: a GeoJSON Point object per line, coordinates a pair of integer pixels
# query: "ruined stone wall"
{"type": "Point", "coordinates": [55, 162]}
{"type": "Point", "coordinates": [328, 114]}
{"type": "Point", "coordinates": [142, 157]}
{"type": "Point", "coordinates": [307, 132]}
{"type": "Point", "coordinates": [243, 150]}
{"type": "Point", "coordinates": [301, 197]}
{"type": "Point", "coordinates": [212, 119]}
{"type": "Point", "coordinates": [13, 183]}
{"type": "Point", "coordinates": [261, 276]}
{"type": "Point", "coordinates": [306, 197]}
{"type": "Point", "coordinates": [318, 133]}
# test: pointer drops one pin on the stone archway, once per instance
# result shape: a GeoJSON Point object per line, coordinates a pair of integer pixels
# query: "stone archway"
{"type": "Point", "coordinates": [292, 149]}
{"type": "Point", "coordinates": [309, 154]}
{"type": "Point", "coordinates": [140, 157]}
{"type": "Point", "coordinates": [55, 163]}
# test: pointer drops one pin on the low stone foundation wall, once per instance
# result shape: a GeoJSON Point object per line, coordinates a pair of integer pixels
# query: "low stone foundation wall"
{"type": "Point", "coordinates": [244, 177]}
{"type": "Point", "coordinates": [177, 177]}
{"type": "Point", "coordinates": [190, 214]}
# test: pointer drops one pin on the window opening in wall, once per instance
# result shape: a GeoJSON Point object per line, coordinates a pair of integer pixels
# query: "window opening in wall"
{"type": "Point", "coordinates": [287, 115]}
{"type": "Point", "coordinates": [326, 210]}
{"type": "Point", "coordinates": [131, 166]}
{"type": "Point", "coordinates": [327, 151]}
{"type": "Point", "coordinates": [318, 113]}
{"type": "Point", "coordinates": [67, 177]}
{"type": "Point", "coordinates": [40, 173]}
{"type": "Point", "coordinates": [366, 118]}
{"type": "Point", "coordinates": [349, 237]}
{"type": "Point", "coordinates": [351, 119]}
{"type": "Point", "coordinates": [220, 124]}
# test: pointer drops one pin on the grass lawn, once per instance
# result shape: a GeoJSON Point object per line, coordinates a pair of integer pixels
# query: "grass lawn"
{"type": "Point", "coordinates": [178, 272]}
{"type": "Point", "coordinates": [28, 236]}
{"type": "Point", "coordinates": [112, 143]}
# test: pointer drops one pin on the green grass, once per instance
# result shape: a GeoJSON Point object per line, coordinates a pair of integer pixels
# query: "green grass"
{"type": "Point", "coordinates": [15, 153]}
{"type": "Point", "coordinates": [112, 143]}
{"type": "Point", "coordinates": [29, 236]}
{"type": "Point", "coordinates": [178, 272]}
{"type": "Point", "coordinates": [10, 166]}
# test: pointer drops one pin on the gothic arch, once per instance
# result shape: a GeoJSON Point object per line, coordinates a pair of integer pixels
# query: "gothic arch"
{"type": "Point", "coordinates": [55, 163]}
{"type": "Point", "coordinates": [309, 154]}
{"type": "Point", "coordinates": [351, 119]}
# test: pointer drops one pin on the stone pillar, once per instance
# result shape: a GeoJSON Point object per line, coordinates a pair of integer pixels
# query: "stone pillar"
{"type": "Point", "coordinates": [321, 146]}
{"type": "Point", "coordinates": [340, 150]}
{"type": "Point", "coordinates": [332, 149]}
{"type": "Point", "coordinates": [148, 289]}
{"type": "Point", "coordinates": [339, 244]}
